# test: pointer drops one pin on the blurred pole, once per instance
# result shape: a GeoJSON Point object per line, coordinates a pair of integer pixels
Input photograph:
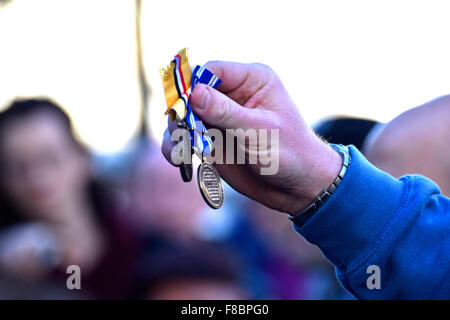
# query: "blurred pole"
{"type": "Point", "coordinates": [144, 87]}
{"type": "Point", "coordinates": [4, 2]}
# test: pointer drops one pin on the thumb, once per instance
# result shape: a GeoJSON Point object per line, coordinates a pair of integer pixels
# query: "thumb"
{"type": "Point", "coordinates": [218, 110]}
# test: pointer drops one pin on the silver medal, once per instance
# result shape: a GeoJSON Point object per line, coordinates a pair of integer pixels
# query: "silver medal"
{"type": "Point", "coordinates": [210, 185]}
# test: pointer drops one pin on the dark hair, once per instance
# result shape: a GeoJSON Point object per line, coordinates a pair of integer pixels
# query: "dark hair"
{"type": "Point", "coordinates": [162, 262]}
{"type": "Point", "coordinates": [21, 108]}
{"type": "Point", "coordinates": [345, 130]}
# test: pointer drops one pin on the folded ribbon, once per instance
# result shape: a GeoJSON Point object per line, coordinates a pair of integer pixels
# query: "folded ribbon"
{"type": "Point", "coordinates": [202, 143]}
{"type": "Point", "coordinates": [176, 80]}
{"type": "Point", "coordinates": [178, 83]}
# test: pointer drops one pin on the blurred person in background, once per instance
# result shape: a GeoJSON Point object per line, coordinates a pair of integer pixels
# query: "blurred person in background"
{"type": "Point", "coordinates": [172, 216]}
{"type": "Point", "coordinates": [159, 203]}
{"type": "Point", "coordinates": [415, 142]}
{"type": "Point", "coordinates": [53, 213]}
{"type": "Point", "coordinates": [297, 271]}
{"type": "Point", "coordinates": [202, 273]}
{"type": "Point", "coordinates": [346, 130]}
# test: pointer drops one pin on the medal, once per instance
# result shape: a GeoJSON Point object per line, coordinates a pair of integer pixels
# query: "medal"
{"type": "Point", "coordinates": [210, 185]}
{"type": "Point", "coordinates": [186, 172]}
{"type": "Point", "coordinates": [179, 82]}
{"type": "Point", "coordinates": [186, 164]}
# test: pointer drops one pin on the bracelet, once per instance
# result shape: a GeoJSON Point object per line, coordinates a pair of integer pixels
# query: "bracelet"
{"type": "Point", "coordinates": [300, 218]}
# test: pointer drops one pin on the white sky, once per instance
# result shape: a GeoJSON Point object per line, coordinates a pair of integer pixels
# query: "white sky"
{"type": "Point", "coordinates": [366, 58]}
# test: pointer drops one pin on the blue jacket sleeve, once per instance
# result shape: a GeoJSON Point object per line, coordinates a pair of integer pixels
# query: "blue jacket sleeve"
{"type": "Point", "coordinates": [400, 225]}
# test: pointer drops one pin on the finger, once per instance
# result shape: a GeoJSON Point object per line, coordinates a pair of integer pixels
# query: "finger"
{"type": "Point", "coordinates": [220, 111]}
{"type": "Point", "coordinates": [239, 80]}
{"type": "Point", "coordinates": [168, 146]}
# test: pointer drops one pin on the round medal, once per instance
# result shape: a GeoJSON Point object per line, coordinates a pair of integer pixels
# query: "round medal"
{"type": "Point", "coordinates": [210, 185]}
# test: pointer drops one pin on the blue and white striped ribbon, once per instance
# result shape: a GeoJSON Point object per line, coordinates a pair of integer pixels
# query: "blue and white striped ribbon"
{"type": "Point", "coordinates": [201, 143]}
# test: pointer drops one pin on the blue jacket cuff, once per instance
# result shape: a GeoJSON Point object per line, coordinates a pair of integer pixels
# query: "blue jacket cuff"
{"type": "Point", "coordinates": [353, 217]}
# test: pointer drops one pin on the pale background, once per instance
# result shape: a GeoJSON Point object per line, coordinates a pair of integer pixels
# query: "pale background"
{"type": "Point", "coordinates": [373, 59]}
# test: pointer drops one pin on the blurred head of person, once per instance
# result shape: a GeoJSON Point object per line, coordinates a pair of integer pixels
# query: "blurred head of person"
{"type": "Point", "coordinates": [346, 130]}
{"type": "Point", "coordinates": [43, 168]}
{"type": "Point", "coordinates": [201, 273]}
{"type": "Point", "coordinates": [416, 142]}
{"type": "Point", "coordinates": [51, 203]}
{"type": "Point", "coordinates": [161, 202]}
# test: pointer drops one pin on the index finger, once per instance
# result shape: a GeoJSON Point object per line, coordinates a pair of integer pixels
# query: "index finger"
{"type": "Point", "coordinates": [240, 80]}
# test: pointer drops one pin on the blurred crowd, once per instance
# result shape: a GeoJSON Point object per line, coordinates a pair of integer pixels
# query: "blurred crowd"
{"type": "Point", "coordinates": [130, 224]}
{"type": "Point", "coordinates": [136, 231]}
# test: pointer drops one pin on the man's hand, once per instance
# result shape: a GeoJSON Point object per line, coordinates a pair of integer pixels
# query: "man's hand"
{"type": "Point", "coordinates": [252, 96]}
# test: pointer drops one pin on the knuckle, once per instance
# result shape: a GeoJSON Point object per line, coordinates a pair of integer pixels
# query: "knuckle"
{"type": "Point", "coordinates": [264, 67]}
{"type": "Point", "coordinates": [269, 73]}
{"type": "Point", "coordinates": [211, 63]}
{"type": "Point", "coordinates": [215, 66]}
{"type": "Point", "coordinates": [224, 112]}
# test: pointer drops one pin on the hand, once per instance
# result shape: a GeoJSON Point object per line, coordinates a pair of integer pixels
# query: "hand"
{"type": "Point", "coordinates": [28, 251]}
{"type": "Point", "coordinates": [252, 96]}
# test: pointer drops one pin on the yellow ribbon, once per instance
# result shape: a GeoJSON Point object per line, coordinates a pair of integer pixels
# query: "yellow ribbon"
{"type": "Point", "coordinates": [176, 107]}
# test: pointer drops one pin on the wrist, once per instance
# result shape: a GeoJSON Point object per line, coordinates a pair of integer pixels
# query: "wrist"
{"type": "Point", "coordinates": [324, 167]}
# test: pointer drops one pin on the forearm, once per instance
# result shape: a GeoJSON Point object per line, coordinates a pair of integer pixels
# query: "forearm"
{"type": "Point", "coordinates": [401, 226]}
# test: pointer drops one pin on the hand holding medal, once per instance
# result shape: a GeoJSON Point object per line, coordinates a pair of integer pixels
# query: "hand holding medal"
{"type": "Point", "coordinates": [179, 82]}
{"type": "Point", "coordinates": [252, 97]}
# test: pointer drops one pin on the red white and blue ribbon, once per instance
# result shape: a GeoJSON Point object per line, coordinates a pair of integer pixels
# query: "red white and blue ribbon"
{"type": "Point", "coordinates": [180, 84]}
{"type": "Point", "coordinates": [201, 143]}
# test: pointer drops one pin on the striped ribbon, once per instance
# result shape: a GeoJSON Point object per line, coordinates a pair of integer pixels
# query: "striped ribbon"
{"type": "Point", "coordinates": [180, 84]}
{"type": "Point", "coordinates": [201, 143]}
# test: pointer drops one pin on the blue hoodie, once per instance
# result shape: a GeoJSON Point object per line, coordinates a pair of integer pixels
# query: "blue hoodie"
{"type": "Point", "coordinates": [400, 225]}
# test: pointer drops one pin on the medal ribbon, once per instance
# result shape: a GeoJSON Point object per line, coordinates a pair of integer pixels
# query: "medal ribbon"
{"type": "Point", "coordinates": [179, 82]}
{"type": "Point", "coordinates": [201, 142]}
{"type": "Point", "coordinates": [176, 80]}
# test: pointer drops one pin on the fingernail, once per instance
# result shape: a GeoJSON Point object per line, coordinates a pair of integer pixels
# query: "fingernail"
{"type": "Point", "coordinates": [200, 97]}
